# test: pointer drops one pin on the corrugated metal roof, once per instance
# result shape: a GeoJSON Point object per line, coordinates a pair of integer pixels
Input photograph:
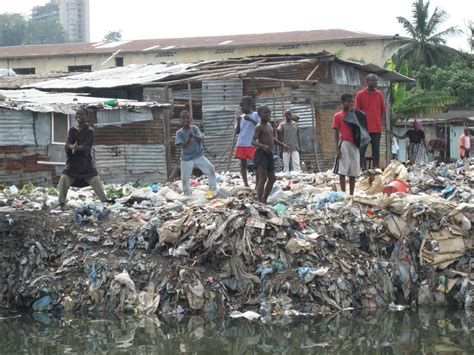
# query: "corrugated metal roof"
{"type": "Point", "coordinates": [39, 101]}
{"type": "Point", "coordinates": [116, 77]}
{"type": "Point", "coordinates": [163, 44]}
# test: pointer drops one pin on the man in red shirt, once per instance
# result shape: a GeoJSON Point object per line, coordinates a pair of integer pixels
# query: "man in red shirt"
{"type": "Point", "coordinates": [347, 153]}
{"type": "Point", "coordinates": [372, 103]}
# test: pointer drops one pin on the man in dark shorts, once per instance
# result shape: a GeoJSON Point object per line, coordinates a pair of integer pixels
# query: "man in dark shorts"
{"type": "Point", "coordinates": [263, 158]}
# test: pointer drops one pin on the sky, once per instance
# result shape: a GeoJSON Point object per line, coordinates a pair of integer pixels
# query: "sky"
{"type": "Point", "coordinates": [143, 19]}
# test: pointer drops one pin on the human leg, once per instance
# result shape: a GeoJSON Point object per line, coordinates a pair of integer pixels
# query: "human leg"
{"type": "Point", "coordinates": [362, 151]}
{"type": "Point", "coordinates": [269, 185]}
{"type": "Point", "coordinates": [262, 178]}
{"type": "Point", "coordinates": [375, 143]}
{"type": "Point", "coordinates": [207, 169]}
{"type": "Point", "coordinates": [186, 172]}
{"type": "Point", "coordinates": [64, 183]}
{"type": "Point", "coordinates": [295, 160]}
{"type": "Point", "coordinates": [286, 162]}
{"type": "Point", "coordinates": [243, 171]}
{"type": "Point", "coordinates": [98, 187]}
{"type": "Point", "coordinates": [342, 182]}
{"type": "Point", "coordinates": [352, 181]}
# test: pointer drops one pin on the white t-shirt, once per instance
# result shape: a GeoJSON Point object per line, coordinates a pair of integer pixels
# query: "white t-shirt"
{"type": "Point", "coordinates": [467, 142]}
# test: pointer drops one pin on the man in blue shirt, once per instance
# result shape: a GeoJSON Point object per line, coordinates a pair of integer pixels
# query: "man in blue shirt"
{"type": "Point", "coordinates": [189, 138]}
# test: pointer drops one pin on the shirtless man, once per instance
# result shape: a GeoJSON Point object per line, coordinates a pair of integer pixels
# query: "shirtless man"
{"type": "Point", "coordinates": [263, 140]}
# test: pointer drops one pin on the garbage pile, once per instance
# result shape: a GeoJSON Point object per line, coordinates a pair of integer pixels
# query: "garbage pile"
{"type": "Point", "coordinates": [311, 250]}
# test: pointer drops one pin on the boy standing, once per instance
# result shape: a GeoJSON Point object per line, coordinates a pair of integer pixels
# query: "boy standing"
{"type": "Point", "coordinates": [290, 136]}
{"type": "Point", "coordinates": [465, 144]}
{"type": "Point", "coordinates": [245, 128]}
{"type": "Point", "coordinates": [263, 140]}
{"type": "Point", "coordinates": [189, 138]}
{"type": "Point", "coordinates": [347, 153]}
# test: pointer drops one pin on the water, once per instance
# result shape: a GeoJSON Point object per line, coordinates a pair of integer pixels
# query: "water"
{"type": "Point", "coordinates": [384, 332]}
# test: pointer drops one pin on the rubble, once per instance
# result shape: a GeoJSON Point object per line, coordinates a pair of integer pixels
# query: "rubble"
{"type": "Point", "coordinates": [311, 250]}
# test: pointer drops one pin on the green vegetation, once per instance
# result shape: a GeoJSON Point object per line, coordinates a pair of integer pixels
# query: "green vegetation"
{"type": "Point", "coordinates": [16, 30]}
{"type": "Point", "coordinates": [427, 44]}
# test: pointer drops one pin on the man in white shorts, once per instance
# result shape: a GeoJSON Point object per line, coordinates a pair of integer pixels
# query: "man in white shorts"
{"type": "Point", "coordinates": [347, 153]}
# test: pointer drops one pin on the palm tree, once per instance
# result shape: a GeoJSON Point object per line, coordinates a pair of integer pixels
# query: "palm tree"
{"type": "Point", "coordinates": [426, 45]}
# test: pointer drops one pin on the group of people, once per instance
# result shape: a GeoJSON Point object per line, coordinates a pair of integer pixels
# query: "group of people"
{"type": "Point", "coordinates": [357, 125]}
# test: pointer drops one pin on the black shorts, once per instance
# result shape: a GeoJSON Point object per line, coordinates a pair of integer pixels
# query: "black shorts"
{"type": "Point", "coordinates": [264, 160]}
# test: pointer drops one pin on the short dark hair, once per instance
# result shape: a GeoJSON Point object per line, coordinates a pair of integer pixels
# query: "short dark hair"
{"type": "Point", "coordinates": [84, 110]}
{"type": "Point", "coordinates": [346, 97]}
{"type": "Point", "coordinates": [184, 112]}
{"type": "Point", "coordinates": [261, 108]}
{"type": "Point", "coordinates": [247, 100]}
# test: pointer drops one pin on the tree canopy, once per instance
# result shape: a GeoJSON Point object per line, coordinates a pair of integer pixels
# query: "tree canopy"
{"type": "Point", "coordinates": [113, 36]}
{"type": "Point", "coordinates": [16, 30]}
{"type": "Point", "coordinates": [426, 44]}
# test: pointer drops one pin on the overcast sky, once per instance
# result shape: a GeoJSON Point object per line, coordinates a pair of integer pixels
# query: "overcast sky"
{"type": "Point", "coordinates": [139, 19]}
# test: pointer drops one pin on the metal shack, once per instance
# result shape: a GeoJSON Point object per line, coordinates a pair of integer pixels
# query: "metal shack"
{"type": "Point", "coordinates": [310, 85]}
{"type": "Point", "coordinates": [129, 139]}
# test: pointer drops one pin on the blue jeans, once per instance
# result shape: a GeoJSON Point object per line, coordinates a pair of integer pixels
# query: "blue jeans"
{"type": "Point", "coordinates": [204, 165]}
{"type": "Point", "coordinates": [375, 143]}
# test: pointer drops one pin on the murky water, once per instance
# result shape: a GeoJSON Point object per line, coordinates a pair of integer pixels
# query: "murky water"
{"type": "Point", "coordinates": [385, 332]}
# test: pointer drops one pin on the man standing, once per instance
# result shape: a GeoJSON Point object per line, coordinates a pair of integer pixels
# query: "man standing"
{"type": "Point", "coordinates": [290, 137]}
{"type": "Point", "coordinates": [80, 168]}
{"type": "Point", "coordinates": [465, 144]}
{"type": "Point", "coordinates": [371, 101]}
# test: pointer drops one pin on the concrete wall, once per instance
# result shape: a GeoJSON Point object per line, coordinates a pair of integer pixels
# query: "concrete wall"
{"type": "Point", "coordinates": [369, 51]}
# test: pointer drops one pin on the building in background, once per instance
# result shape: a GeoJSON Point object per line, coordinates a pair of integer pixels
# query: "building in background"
{"type": "Point", "coordinates": [73, 15]}
{"type": "Point", "coordinates": [74, 57]}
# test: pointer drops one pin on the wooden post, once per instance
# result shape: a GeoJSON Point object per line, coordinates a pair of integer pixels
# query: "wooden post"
{"type": "Point", "coordinates": [446, 143]}
{"type": "Point", "coordinates": [283, 98]}
{"type": "Point", "coordinates": [313, 123]}
{"type": "Point", "coordinates": [190, 101]}
{"type": "Point", "coordinates": [234, 138]}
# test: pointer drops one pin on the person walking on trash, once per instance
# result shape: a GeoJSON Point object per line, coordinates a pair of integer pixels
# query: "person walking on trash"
{"type": "Point", "coordinates": [417, 142]}
{"type": "Point", "coordinates": [347, 152]}
{"type": "Point", "coordinates": [245, 128]}
{"type": "Point", "coordinates": [190, 139]}
{"type": "Point", "coordinates": [290, 136]}
{"type": "Point", "coordinates": [80, 170]}
{"type": "Point", "coordinates": [263, 141]}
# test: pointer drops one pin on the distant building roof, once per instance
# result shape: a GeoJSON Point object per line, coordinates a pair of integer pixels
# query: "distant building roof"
{"type": "Point", "coordinates": [170, 44]}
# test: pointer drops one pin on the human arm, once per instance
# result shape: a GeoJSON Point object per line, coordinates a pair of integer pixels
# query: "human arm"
{"type": "Point", "coordinates": [238, 118]}
{"type": "Point", "coordinates": [195, 133]}
{"type": "Point", "coordinates": [280, 143]}
{"type": "Point", "coordinates": [87, 140]}
{"type": "Point", "coordinates": [247, 118]}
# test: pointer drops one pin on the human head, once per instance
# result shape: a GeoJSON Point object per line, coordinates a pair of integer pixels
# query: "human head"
{"type": "Point", "coordinates": [417, 123]}
{"type": "Point", "coordinates": [372, 81]}
{"type": "Point", "coordinates": [246, 104]}
{"type": "Point", "coordinates": [466, 131]}
{"type": "Point", "coordinates": [265, 113]}
{"type": "Point", "coordinates": [185, 118]}
{"type": "Point", "coordinates": [347, 101]}
{"type": "Point", "coordinates": [288, 115]}
{"type": "Point", "coordinates": [81, 115]}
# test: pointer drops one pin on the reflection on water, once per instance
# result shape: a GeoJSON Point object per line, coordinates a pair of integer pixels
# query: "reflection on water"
{"type": "Point", "coordinates": [380, 332]}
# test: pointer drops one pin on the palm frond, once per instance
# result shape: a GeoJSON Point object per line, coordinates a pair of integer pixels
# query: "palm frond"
{"type": "Point", "coordinates": [422, 103]}
{"type": "Point", "coordinates": [407, 25]}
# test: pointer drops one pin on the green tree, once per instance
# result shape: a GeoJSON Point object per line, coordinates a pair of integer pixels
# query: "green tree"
{"type": "Point", "coordinates": [45, 31]}
{"type": "Point", "coordinates": [12, 29]}
{"type": "Point", "coordinates": [426, 45]}
{"type": "Point", "coordinates": [456, 80]}
{"type": "Point", "coordinates": [113, 36]}
{"type": "Point", "coordinates": [405, 103]}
